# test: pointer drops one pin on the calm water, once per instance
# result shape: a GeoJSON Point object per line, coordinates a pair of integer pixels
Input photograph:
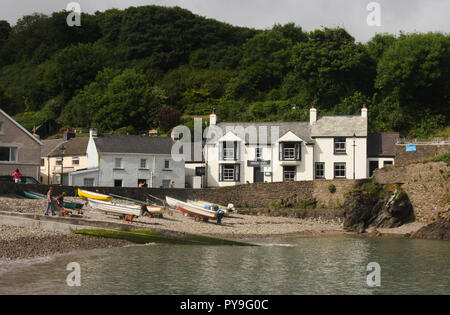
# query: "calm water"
{"type": "Point", "coordinates": [330, 265]}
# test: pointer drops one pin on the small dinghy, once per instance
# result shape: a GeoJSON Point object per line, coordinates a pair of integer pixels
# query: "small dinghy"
{"type": "Point", "coordinates": [93, 195]}
{"type": "Point", "coordinates": [66, 204]}
{"type": "Point", "coordinates": [193, 210]}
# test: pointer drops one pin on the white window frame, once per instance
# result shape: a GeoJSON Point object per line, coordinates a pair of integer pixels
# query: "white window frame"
{"type": "Point", "coordinates": [291, 174]}
{"type": "Point", "coordinates": [259, 153]}
{"type": "Point", "coordinates": [340, 145]}
{"type": "Point", "coordinates": [12, 149]}
{"type": "Point", "coordinates": [120, 163]}
{"type": "Point", "coordinates": [322, 164]}
{"type": "Point", "coordinates": [143, 166]}
{"type": "Point", "coordinates": [166, 164]}
{"type": "Point", "coordinates": [340, 170]}
{"type": "Point", "coordinates": [58, 161]}
{"type": "Point", "coordinates": [75, 159]}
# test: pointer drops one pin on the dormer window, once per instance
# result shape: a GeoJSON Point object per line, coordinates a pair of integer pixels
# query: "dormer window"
{"type": "Point", "coordinates": [339, 145]}
{"type": "Point", "coordinates": [229, 150]}
{"type": "Point", "coordinates": [290, 151]}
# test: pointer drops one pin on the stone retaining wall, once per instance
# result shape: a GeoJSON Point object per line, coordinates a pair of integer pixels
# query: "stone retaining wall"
{"type": "Point", "coordinates": [242, 196]}
{"type": "Point", "coordinates": [423, 151]}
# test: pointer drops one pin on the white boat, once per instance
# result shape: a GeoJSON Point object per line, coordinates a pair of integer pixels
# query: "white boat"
{"type": "Point", "coordinates": [172, 202]}
{"type": "Point", "coordinates": [115, 208]}
{"type": "Point", "coordinates": [196, 211]}
{"type": "Point", "coordinates": [210, 205]}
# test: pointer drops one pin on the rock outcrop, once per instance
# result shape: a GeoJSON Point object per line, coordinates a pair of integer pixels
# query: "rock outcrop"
{"type": "Point", "coordinates": [437, 230]}
{"type": "Point", "coordinates": [374, 206]}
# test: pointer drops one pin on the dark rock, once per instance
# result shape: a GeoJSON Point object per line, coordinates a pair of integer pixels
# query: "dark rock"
{"type": "Point", "coordinates": [362, 209]}
{"type": "Point", "coordinates": [438, 230]}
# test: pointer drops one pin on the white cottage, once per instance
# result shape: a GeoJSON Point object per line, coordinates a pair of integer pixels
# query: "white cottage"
{"type": "Point", "coordinates": [128, 160]}
{"type": "Point", "coordinates": [326, 147]}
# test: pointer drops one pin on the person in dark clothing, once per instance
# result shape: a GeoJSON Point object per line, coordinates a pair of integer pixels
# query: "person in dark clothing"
{"type": "Point", "coordinates": [220, 214]}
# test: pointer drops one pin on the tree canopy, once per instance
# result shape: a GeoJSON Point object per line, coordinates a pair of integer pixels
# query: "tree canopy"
{"type": "Point", "coordinates": [151, 67]}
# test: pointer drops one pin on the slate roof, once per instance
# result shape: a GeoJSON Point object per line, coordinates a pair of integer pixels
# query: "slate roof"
{"type": "Point", "coordinates": [300, 129]}
{"type": "Point", "coordinates": [133, 144]}
{"type": "Point", "coordinates": [382, 144]}
{"type": "Point", "coordinates": [73, 147]}
{"type": "Point", "coordinates": [49, 145]}
{"type": "Point", "coordinates": [339, 126]}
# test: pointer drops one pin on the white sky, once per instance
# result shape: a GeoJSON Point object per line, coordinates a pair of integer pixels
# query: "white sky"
{"type": "Point", "coordinates": [396, 15]}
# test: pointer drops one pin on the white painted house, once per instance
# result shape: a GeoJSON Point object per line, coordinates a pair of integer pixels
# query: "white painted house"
{"type": "Point", "coordinates": [127, 160]}
{"type": "Point", "coordinates": [326, 147]}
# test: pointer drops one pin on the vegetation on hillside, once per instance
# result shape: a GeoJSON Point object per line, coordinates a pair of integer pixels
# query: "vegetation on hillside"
{"type": "Point", "coordinates": [129, 70]}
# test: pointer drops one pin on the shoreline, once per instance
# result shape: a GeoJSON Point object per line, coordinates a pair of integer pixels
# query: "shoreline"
{"type": "Point", "coordinates": [25, 243]}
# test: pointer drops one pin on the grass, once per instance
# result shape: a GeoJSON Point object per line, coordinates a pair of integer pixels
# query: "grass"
{"type": "Point", "coordinates": [443, 157]}
{"type": "Point", "coordinates": [148, 236]}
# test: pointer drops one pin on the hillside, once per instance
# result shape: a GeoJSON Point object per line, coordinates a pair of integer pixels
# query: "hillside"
{"type": "Point", "coordinates": [153, 67]}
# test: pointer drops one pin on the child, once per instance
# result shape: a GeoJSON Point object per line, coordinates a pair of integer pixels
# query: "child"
{"type": "Point", "coordinates": [16, 175]}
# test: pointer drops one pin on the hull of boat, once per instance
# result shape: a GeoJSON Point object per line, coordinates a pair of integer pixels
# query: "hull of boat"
{"type": "Point", "coordinates": [115, 208]}
{"type": "Point", "coordinates": [72, 205]}
{"type": "Point", "coordinates": [33, 195]}
{"type": "Point", "coordinates": [92, 195]}
{"type": "Point", "coordinates": [202, 204]}
{"type": "Point", "coordinates": [172, 202]}
{"type": "Point", "coordinates": [196, 211]}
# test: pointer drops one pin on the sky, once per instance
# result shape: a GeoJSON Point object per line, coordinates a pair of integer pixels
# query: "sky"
{"type": "Point", "coordinates": [394, 15]}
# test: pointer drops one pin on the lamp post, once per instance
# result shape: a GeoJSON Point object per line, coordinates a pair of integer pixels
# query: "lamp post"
{"type": "Point", "coordinates": [62, 164]}
{"type": "Point", "coordinates": [354, 145]}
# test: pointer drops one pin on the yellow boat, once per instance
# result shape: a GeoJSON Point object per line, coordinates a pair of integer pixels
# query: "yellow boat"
{"type": "Point", "coordinates": [93, 195]}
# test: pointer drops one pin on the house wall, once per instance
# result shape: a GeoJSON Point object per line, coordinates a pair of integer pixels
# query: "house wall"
{"type": "Point", "coordinates": [50, 168]}
{"type": "Point", "coordinates": [78, 178]}
{"type": "Point", "coordinates": [131, 172]}
{"type": "Point", "coordinates": [324, 152]}
{"type": "Point", "coordinates": [28, 150]}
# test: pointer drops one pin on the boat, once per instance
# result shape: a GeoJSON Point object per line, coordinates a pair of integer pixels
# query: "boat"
{"type": "Point", "coordinates": [190, 209]}
{"type": "Point", "coordinates": [93, 195]}
{"type": "Point", "coordinates": [115, 208]}
{"type": "Point", "coordinates": [172, 202]}
{"type": "Point", "coordinates": [210, 206]}
{"type": "Point", "coordinates": [123, 209]}
{"type": "Point", "coordinates": [128, 199]}
{"type": "Point", "coordinates": [66, 204]}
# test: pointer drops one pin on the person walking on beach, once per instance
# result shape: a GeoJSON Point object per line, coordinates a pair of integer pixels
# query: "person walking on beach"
{"type": "Point", "coordinates": [50, 202]}
{"type": "Point", "coordinates": [16, 175]}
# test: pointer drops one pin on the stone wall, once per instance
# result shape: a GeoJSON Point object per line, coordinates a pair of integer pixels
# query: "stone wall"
{"type": "Point", "coordinates": [423, 151]}
{"type": "Point", "coordinates": [427, 185]}
{"type": "Point", "coordinates": [242, 196]}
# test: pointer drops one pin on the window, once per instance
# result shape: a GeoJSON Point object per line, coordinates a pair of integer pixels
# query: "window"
{"type": "Point", "coordinates": [42, 162]}
{"type": "Point", "coordinates": [143, 164]}
{"type": "Point", "coordinates": [229, 150]}
{"type": "Point", "coordinates": [1, 127]}
{"type": "Point", "coordinates": [258, 153]}
{"type": "Point", "coordinates": [118, 163]}
{"type": "Point", "coordinates": [8, 154]}
{"type": "Point", "coordinates": [387, 163]}
{"type": "Point", "coordinates": [320, 170]}
{"type": "Point", "coordinates": [166, 163]}
{"type": "Point", "coordinates": [229, 173]}
{"type": "Point", "coordinates": [142, 183]}
{"type": "Point", "coordinates": [339, 146]}
{"type": "Point", "coordinates": [339, 170]}
{"type": "Point", "coordinates": [200, 171]}
{"type": "Point", "coordinates": [289, 173]}
{"type": "Point", "coordinates": [88, 182]}
{"type": "Point", "coordinates": [75, 160]}
{"type": "Point", "coordinates": [117, 183]}
{"type": "Point", "coordinates": [58, 161]}
{"type": "Point", "coordinates": [290, 151]}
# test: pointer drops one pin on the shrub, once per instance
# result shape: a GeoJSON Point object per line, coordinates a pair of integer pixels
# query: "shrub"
{"type": "Point", "coordinates": [332, 188]}
{"type": "Point", "coordinates": [443, 157]}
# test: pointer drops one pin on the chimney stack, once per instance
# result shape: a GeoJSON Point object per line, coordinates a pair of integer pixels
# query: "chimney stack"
{"type": "Point", "coordinates": [213, 118]}
{"type": "Point", "coordinates": [364, 111]}
{"type": "Point", "coordinates": [93, 133]}
{"type": "Point", "coordinates": [312, 115]}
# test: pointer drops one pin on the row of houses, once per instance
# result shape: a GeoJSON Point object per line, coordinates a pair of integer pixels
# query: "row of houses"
{"type": "Point", "coordinates": [325, 147]}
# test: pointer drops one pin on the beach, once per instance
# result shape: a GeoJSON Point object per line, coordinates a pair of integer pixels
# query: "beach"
{"type": "Point", "coordinates": [18, 242]}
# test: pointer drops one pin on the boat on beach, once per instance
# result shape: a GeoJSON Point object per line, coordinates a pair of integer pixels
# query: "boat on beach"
{"type": "Point", "coordinates": [124, 209]}
{"type": "Point", "coordinates": [193, 210]}
{"type": "Point", "coordinates": [210, 206]}
{"type": "Point", "coordinates": [93, 195]}
{"type": "Point", "coordinates": [66, 204]}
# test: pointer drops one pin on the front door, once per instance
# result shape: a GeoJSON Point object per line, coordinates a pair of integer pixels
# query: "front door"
{"type": "Point", "coordinates": [373, 165]}
{"type": "Point", "coordinates": [258, 175]}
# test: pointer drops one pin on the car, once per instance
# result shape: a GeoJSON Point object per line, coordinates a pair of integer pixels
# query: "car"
{"type": "Point", "coordinates": [23, 179]}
